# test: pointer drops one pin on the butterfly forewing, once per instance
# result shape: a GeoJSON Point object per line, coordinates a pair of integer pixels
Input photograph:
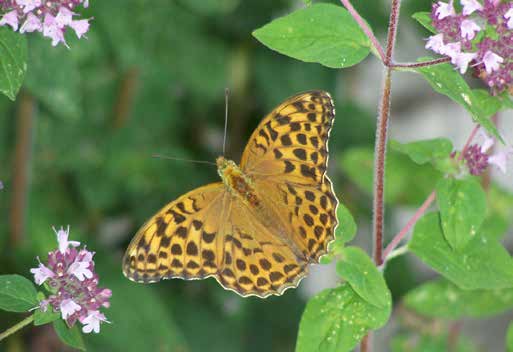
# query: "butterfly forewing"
{"type": "Point", "coordinates": [287, 157]}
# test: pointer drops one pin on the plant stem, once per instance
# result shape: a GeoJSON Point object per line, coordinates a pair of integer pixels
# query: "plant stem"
{"type": "Point", "coordinates": [366, 29]}
{"type": "Point", "coordinates": [125, 99]}
{"type": "Point", "coordinates": [395, 241]}
{"type": "Point", "coordinates": [364, 345]}
{"type": "Point", "coordinates": [429, 200]}
{"type": "Point", "coordinates": [21, 166]}
{"type": "Point", "coordinates": [17, 327]}
{"type": "Point", "coordinates": [379, 169]}
{"type": "Point", "coordinates": [421, 64]}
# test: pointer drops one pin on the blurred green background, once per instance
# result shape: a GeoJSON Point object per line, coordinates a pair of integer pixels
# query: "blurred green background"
{"type": "Point", "coordinates": [76, 146]}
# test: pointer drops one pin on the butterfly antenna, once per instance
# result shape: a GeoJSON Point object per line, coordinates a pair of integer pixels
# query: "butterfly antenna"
{"type": "Point", "coordinates": [160, 156]}
{"type": "Point", "coordinates": [226, 96]}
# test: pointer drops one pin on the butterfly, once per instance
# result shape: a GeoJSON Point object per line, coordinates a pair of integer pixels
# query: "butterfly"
{"type": "Point", "coordinates": [257, 231]}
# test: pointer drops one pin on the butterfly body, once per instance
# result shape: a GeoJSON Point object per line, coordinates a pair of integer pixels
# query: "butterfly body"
{"type": "Point", "coordinates": [257, 230]}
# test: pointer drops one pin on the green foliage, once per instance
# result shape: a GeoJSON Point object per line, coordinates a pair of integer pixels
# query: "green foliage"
{"type": "Point", "coordinates": [17, 294]}
{"type": "Point", "coordinates": [483, 264]}
{"type": "Point", "coordinates": [41, 318]}
{"type": "Point", "coordinates": [509, 338]}
{"type": "Point", "coordinates": [462, 205]}
{"type": "Point", "coordinates": [13, 54]}
{"type": "Point", "coordinates": [442, 299]}
{"type": "Point", "coordinates": [364, 278]}
{"type": "Point", "coordinates": [445, 80]}
{"type": "Point", "coordinates": [336, 320]}
{"type": "Point", "coordinates": [427, 342]}
{"type": "Point", "coordinates": [405, 183]}
{"type": "Point", "coordinates": [70, 336]}
{"type": "Point", "coordinates": [424, 18]}
{"type": "Point", "coordinates": [321, 33]}
{"type": "Point", "coordinates": [435, 151]}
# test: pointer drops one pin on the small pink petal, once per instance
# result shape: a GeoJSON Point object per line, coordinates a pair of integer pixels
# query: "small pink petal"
{"type": "Point", "coordinates": [92, 322]}
{"type": "Point", "coordinates": [469, 6]}
{"type": "Point", "coordinates": [80, 270]}
{"type": "Point", "coordinates": [462, 60]}
{"type": "Point", "coordinates": [469, 29]}
{"type": "Point", "coordinates": [435, 42]}
{"type": "Point", "coordinates": [32, 24]}
{"type": "Point", "coordinates": [68, 307]}
{"type": "Point", "coordinates": [509, 16]}
{"type": "Point", "coordinates": [11, 19]}
{"type": "Point", "coordinates": [451, 49]}
{"type": "Point", "coordinates": [445, 10]}
{"type": "Point", "coordinates": [492, 61]}
{"type": "Point", "coordinates": [41, 273]}
{"type": "Point", "coordinates": [80, 27]}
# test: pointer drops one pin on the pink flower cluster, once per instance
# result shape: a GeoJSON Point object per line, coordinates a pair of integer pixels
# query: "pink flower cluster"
{"type": "Point", "coordinates": [50, 17]}
{"type": "Point", "coordinates": [481, 36]}
{"type": "Point", "coordinates": [70, 277]}
{"type": "Point", "coordinates": [478, 159]}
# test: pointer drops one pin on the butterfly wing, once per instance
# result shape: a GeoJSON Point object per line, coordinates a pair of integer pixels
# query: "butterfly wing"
{"type": "Point", "coordinates": [179, 240]}
{"type": "Point", "coordinates": [287, 158]}
{"type": "Point", "coordinates": [209, 232]}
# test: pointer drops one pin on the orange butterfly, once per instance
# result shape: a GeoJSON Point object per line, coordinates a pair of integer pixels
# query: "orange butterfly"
{"type": "Point", "coordinates": [257, 230]}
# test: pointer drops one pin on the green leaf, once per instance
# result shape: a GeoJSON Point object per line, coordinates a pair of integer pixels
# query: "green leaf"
{"type": "Point", "coordinates": [488, 104]}
{"type": "Point", "coordinates": [405, 182]}
{"type": "Point", "coordinates": [509, 338]}
{"type": "Point", "coordinates": [424, 18]}
{"type": "Point", "coordinates": [445, 80]}
{"type": "Point", "coordinates": [442, 299]}
{"type": "Point", "coordinates": [462, 205]}
{"type": "Point", "coordinates": [360, 272]}
{"type": "Point", "coordinates": [17, 294]}
{"type": "Point", "coordinates": [429, 341]}
{"type": "Point", "coordinates": [425, 151]}
{"type": "Point", "coordinates": [70, 336]}
{"type": "Point", "coordinates": [322, 33]}
{"type": "Point", "coordinates": [346, 229]}
{"type": "Point", "coordinates": [335, 320]}
{"type": "Point", "coordinates": [345, 232]}
{"type": "Point", "coordinates": [483, 264]}
{"type": "Point", "coordinates": [41, 318]}
{"type": "Point", "coordinates": [13, 60]}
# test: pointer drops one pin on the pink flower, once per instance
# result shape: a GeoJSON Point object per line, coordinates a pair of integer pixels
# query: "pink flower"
{"type": "Point", "coordinates": [80, 27]}
{"type": "Point", "coordinates": [62, 239]}
{"type": "Point", "coordinates": [435, 42]}
{"type": "Point", "coordinates": [470, 6]}
{"type": "Point", "coordinates": [64, 17]}
{"type": "Point", "coordinates": [73, 284]}
{"type": "Point", "coordinates": [28, 5]}
{"type": "Point", "coordinates": [492, 61]}
{"type": "Point", "coordinates": [32, 23]}
{"type": "Point", "coordinates": [468, 29]}
{"type": "Point", "coordinates": [68, 307]}
{"type": "Point", "coordinates": [451, 49]}
{"type": "Point", "coordinates": [80, 270]}
{"type": "Point", "coordinates": [41, 273]}
{"type": "Point", "coordinates": [509, 16]}
{"type": "Point", "coordinates": [445, 10]}
{"type": "Point", "coordinates": [10, 18]}
{"type": "Point", "coordinates": [52, 30]}
{"type": "Point", "coordinates": [462, 61]}
{"type": "Point", "coordinates": [92, 322]}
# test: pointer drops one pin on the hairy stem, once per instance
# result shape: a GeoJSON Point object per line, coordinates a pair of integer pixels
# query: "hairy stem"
{"type": "Point", "coordinates": [366, 29]}
{"type": "Point", "coordinates": [17, 327]}
{"type": "Point", "coordinates": [380, 150]}
{"type": "Point", "coordinates": [421, 64]}
{"type": "Point", "coordinates": [21, 167]}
